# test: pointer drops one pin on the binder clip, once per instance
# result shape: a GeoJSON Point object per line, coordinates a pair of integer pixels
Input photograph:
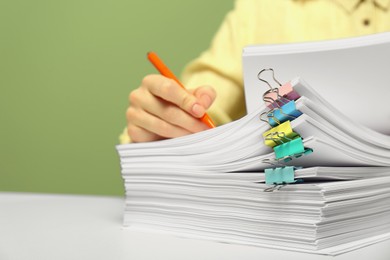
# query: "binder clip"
{"type": "Point", "coordinates": [279, 177]}
{"type": "Point", "coordinates": [293, 149]}
{"type": "Point", "coordinates": [286, 112]}
{"type": "Point", "coordinates": [277, 116]}
{"type": "Point", "coordinates": [279, 134]}
{"type": "Point", "coordinates": [286, 91]}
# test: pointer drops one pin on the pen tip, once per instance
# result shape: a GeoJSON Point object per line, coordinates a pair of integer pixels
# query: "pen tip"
{"type": "Point", "coordinates": [151, 54]}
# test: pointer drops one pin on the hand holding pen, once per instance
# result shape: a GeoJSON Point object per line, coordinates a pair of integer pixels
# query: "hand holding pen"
{"type": "Point", "coordinates": [161, 108]}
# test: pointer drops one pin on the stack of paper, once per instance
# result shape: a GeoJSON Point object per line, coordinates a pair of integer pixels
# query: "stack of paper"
{"type": "Point", "coordinates": [352, 74]}
{"type": "Point", "coordinates": [213, 185]}
{"type": "Point", "coordinates": [239, 146]}
{"type": "Point", "coordinates": [316, 216]}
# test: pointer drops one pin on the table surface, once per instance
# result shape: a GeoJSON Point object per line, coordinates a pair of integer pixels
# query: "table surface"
{"type": "Point", "coordinates": [45, 226]}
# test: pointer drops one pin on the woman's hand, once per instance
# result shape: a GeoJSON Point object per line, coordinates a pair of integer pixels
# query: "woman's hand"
{"type": "Point", "coordinates": [160, 108]}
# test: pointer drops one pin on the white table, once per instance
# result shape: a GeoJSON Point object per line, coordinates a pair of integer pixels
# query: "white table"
{"type": "Point", "coordinates": [55, 227]}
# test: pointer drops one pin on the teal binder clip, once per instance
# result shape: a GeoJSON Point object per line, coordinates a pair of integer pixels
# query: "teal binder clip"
{"type": "Point", "coordinates": [293, 149]}
{"type": "Point", "coordinates": [295, 146]}
{"type": "Point", "coordinates": [280, 175]}
{"type": "Point", "coordinates": [286, 112]}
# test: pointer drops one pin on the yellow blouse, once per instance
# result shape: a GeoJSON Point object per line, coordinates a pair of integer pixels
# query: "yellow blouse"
{"type": "Point", "coordinates": [268, 22]}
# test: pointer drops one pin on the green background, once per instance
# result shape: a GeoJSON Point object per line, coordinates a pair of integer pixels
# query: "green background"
{"type": "Point", "coordinates": [66, 69]}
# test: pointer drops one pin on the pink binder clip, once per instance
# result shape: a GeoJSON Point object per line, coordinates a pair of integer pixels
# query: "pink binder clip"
{"type": "Point", "coordinates": [279, 96]}
{"type": "Point", "coordinates": [286, 91]}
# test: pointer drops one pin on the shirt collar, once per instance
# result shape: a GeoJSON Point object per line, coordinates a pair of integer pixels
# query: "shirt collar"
{"type": "Point", "coordinates": [350, 5]}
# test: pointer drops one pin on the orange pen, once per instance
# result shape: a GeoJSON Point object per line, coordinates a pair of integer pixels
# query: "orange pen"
{"type": "Point", "coordinates": [165, 71]}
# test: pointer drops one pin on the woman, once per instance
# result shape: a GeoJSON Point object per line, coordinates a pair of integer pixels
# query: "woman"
{"type": "Point", "coordinates": [161, 109]}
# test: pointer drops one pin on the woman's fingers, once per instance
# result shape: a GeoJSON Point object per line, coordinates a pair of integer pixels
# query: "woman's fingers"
{"type": "Point", "coordinates": [160, 108]}
{"type": "Point", "coordinates": [169, 90]}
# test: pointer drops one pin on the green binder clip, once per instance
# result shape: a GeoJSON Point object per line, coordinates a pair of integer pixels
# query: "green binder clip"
{"type": "Point", "coordinates": [280, 175]}
{"type": "Point", "coordinates": [295, 146]}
